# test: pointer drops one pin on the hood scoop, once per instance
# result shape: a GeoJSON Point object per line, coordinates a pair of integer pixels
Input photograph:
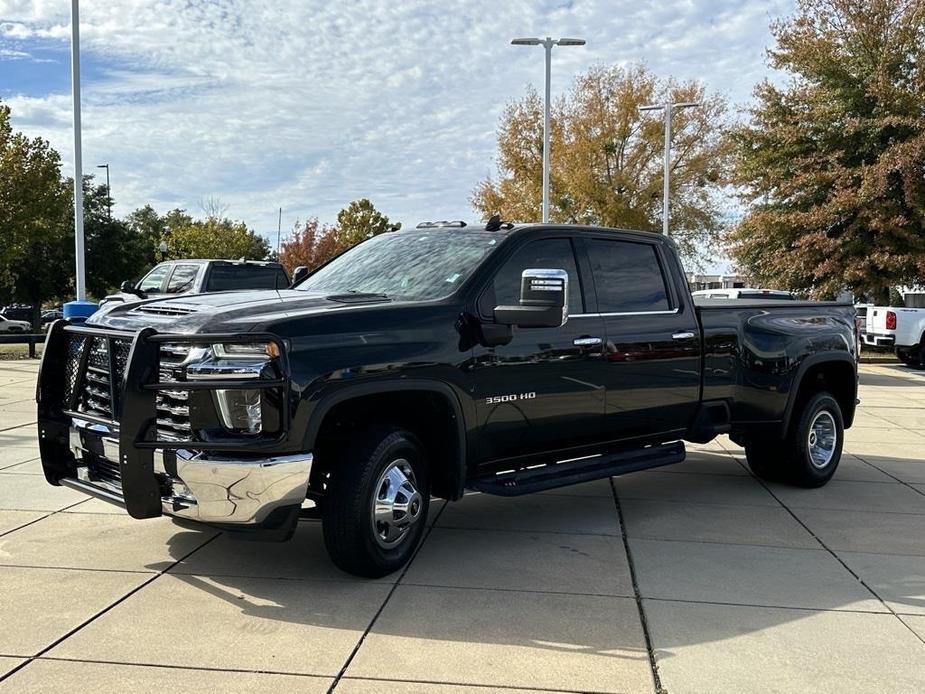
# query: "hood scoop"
{"type": "Point", "coordinates": [164, 309]}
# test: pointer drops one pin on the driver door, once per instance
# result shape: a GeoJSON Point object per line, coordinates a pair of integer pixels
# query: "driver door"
{"type": "Point", "coordinates": [544, 389]}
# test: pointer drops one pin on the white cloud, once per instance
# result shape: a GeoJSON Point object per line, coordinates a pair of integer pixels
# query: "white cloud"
{"type": "Point", "coordinates": [308, 105]}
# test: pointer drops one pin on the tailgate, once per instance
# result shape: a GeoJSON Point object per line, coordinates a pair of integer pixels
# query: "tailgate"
{"type": "Point", "coordinates": [876, 320]}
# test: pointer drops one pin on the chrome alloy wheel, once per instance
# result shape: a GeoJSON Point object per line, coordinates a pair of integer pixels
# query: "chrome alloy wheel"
{"type": "Point", "coordinates": [396, 504]}
{"type": "Point", "coordinates": [822, 438]}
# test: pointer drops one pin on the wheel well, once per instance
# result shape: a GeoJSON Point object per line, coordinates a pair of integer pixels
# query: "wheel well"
{"type": "Point", "coordinates": [836, 377]}
{"type": "Point", "coordinates": [429, 415]}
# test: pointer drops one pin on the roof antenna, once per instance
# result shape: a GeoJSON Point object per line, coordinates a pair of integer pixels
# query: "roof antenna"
{"type": "Point", "coordinates": [494, 223]}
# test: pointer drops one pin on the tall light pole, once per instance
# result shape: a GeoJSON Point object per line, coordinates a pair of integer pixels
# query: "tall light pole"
{"type": "Point", "coordinates": [80, 282]}
{"type": "Point", "coordinates": [669, 110]}
{"type": "Point", "coordinates": [547, 44]}
{"type": "Point", "coordinates": [108, 191]}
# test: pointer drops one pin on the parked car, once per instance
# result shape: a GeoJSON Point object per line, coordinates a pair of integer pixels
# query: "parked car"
{"type": "Point", "coordinates": [17, 312]}
{"type": "Point", "coordinates": [499, 358]}
{"type": "Point", "coordinates": [14, 326]}
{"type": "Point", "coordinates": [743, 293]}
{"type": "Point", "coordinates": [198, 276]}
{"type": "Point", "coordinates": [902, 329]}
{"type": "Point", "coordinates": [50, 316]}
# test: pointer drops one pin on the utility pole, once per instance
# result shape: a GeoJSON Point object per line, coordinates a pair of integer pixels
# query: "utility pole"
{"type": "Point", "coordinates": [547, 44]}
{"type": "Point", "coordinates": [279, 231]}
{"type": "Point", "coordinates": [81, 284]}
{"type": "Point", "coordinates": [108, 191]}
{"type": "Point", "coordinates": [668, 109]}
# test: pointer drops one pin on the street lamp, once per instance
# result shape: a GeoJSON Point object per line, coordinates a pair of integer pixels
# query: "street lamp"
{"type": "Point", "coordinates": [80, 281]}
{"type": "Point", "coordinates": [108, 190]}
{"type": "Point", "coordinates": [669, 109]}
{"type": "Point", "coordinates": [547, 44]}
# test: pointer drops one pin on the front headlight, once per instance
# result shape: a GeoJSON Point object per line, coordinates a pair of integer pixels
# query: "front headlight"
{"type": "Point", "coordinates": [240, 411]}
{"type": "Point", "coordinates": [245, 350]}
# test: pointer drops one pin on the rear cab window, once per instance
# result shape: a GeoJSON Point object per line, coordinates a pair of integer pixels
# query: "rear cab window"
{"type": "Point", "coordinates": [628, 277]}
{"type": "Point", "coordinates": [223, 278]}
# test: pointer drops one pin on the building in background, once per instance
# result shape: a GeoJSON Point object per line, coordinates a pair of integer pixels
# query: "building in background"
{"type": "Point", "coordinates": [698, 282]}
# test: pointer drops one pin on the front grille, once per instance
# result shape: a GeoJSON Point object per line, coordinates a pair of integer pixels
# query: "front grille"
{"type": "Point", "coordinates": [94, 390]}
{"type": "Point", "coordinates": [173, 405]}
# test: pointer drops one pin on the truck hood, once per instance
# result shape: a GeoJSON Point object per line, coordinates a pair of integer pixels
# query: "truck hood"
{"type": "Point", "coordinates": [242, 311]}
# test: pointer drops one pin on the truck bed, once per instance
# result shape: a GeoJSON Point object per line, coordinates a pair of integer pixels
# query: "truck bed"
{"type": "Point", "coordinates": [753, 349]}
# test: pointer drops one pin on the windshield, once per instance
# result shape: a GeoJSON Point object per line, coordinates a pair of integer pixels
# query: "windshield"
{"type": "Point", "coordinates": [407, 266]}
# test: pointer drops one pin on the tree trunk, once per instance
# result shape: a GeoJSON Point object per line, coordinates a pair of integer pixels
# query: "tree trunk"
{"type": "Point", "coordinates": [36, 317]}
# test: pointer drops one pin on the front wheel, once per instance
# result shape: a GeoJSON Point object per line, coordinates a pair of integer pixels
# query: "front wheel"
{"type": "Point", "coordinates": [375, 510]}
{"type": "Point", "coordinates": [809, 455]}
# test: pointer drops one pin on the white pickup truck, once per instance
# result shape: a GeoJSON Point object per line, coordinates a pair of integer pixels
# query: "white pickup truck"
{"type": "Point", "coordinates": [903, 329]}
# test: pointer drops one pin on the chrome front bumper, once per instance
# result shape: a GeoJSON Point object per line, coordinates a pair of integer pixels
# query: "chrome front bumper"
{"type": "Point", "coordinates": [207, 488]}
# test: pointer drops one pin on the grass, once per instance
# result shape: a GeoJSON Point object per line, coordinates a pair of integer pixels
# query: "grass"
{"type": "Point", "coordinates": [16, 352]}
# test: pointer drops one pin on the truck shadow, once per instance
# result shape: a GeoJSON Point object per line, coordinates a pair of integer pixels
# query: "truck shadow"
{"type": "Point", "coordinates": [905, 377]}
{"type": "Point", "coordinates": [548, 571]}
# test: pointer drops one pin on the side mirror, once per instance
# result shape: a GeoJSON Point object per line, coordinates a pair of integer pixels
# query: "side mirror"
{"type": "Point", "coordinates": [543, 300]}
{"type": "Point", "coordinates": [299, 274]}
{"type": "Point", "coordinates": [128, 288]}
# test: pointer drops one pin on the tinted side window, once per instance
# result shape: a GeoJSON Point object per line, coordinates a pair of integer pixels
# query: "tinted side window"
{"type": "Point", "coordinates": [182, 279]}
{"type": "Point", "coordinates": [627, 277]}
{"type": "Point", "coordinates": [153, 280]}
{"type": "Point", "coordinates": [551, 253]}
{"type": "Point", "coordinates": [226, 277]}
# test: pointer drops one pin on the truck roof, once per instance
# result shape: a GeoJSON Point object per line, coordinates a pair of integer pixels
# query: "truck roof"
{"type": "Point", "coordinates": [507, 228]}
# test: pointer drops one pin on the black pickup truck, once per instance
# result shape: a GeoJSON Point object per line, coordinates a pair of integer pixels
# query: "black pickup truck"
{"type": "Point", "coordinates": [499, 358]}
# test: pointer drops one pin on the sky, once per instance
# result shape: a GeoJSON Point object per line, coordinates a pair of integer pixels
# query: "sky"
{"type": "Point", "coordinates": [307, 105]}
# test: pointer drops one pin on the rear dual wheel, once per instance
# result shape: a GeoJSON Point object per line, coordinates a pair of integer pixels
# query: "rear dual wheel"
{"type": "Point", "coordinates": [809, 455]}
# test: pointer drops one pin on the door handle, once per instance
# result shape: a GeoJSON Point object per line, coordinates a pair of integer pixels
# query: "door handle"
{"type": "Point", "coordinates": [586, 341]}
{"type": "Point", "coordinates": [682, 336]}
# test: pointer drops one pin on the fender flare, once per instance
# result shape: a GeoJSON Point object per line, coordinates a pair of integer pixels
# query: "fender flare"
{"type": "Point", "coordinates": [805, 365]}
{"type": "Point", "coordinates": [350, 392]}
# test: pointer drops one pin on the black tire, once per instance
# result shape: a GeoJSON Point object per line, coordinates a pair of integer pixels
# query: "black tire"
{"type": "Point", "coordinates": [801, 458]}
{"type": "Point", "coordinates": [355, 541]}
{"type": "Point", "coordinates": [911, 357]}
{"type": "Point", "coordinates": [767, 459]}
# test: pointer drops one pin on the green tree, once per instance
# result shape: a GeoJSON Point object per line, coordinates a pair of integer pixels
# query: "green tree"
{"type": "Point", "coordinates": [213, 237]}
{"type": "Point", "coordinates": [832, 165]}
{"type": "Point", "coordinates": [606, 157]}
{"type": "Point", "coordinates": [114, 251]}
{"type": "Point", "coordinates": [36, 237]}
{"type": "Point", "coordinates": [150, 228]}
{"type": "Point", "coordinates": [360, 220]}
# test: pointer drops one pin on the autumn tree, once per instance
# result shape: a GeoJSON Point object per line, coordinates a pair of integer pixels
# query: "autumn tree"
{"type": "Point", "coordinates": [312, 244]}
{"type": "Point", "coordinates": [606, 157]}
{"type": "Point", "coordinates": [36, 234]}
{"type": "Point", "coordinates": [832, 164]}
